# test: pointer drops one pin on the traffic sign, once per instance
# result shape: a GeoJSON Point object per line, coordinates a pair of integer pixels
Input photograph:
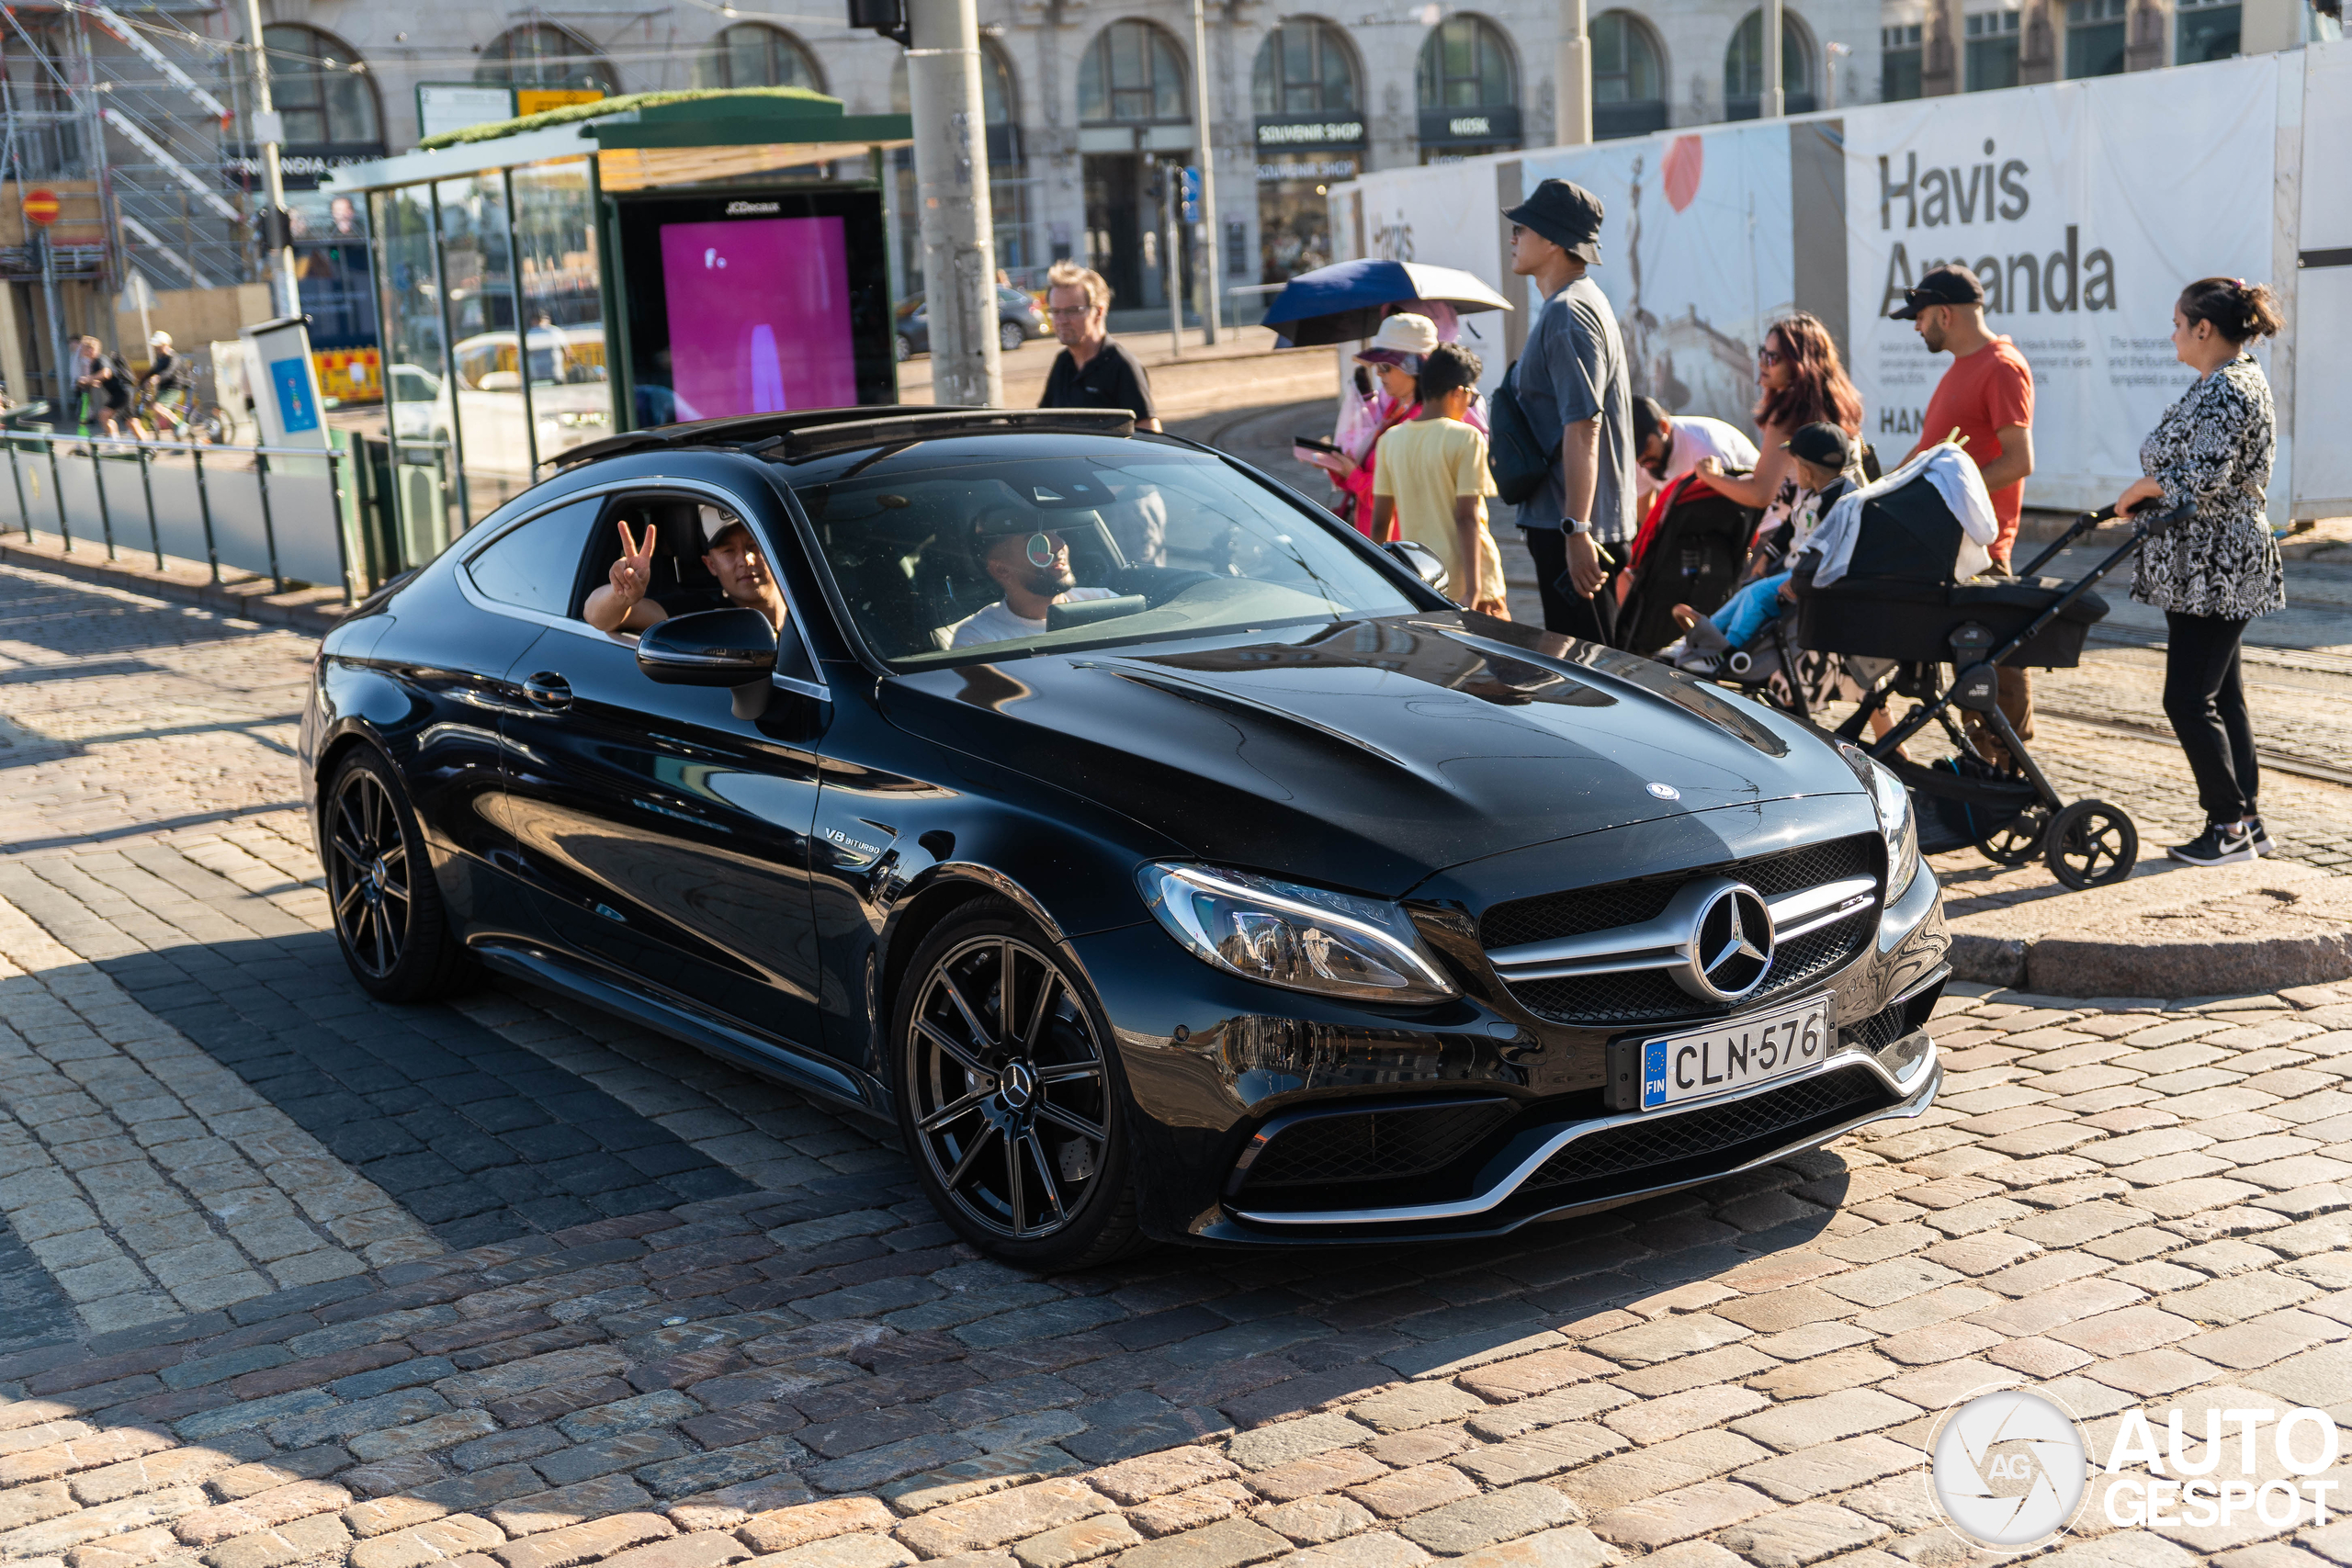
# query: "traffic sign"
{"type": "Point", "coordinates": [1191, 191]}
{"type": "Point", "coordinates": [40, 206]}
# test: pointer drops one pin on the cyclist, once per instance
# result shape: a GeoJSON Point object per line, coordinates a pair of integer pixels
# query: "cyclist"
{"type": "Point", "coordinates": [167, 386]}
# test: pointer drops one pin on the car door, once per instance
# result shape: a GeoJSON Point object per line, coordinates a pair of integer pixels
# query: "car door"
{"type": "Point", "coordinates": [665, 839]}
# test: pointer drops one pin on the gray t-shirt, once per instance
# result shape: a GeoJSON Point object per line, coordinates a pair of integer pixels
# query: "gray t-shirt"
{"type": "Point", "coordinates": [1574, 367]}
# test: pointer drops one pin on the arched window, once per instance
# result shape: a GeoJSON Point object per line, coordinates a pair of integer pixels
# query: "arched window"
{"type": "Point", "coordinates": [752, 54]}
{"type": "Point", "coordinates": [1744, 67]}
{"type": "Point", "coordinates": [1132, 73]}
{"type": "Point", "coordinates": [540, 55]}
{"type": "Point", "coordinates": [1466, 64]}
{"type": "Point", "coordinates": [319, 84]}
{"type": "Point", "coordinates": [1628, 76]}
{"type": "Point", "coordinates": [1305, 67]}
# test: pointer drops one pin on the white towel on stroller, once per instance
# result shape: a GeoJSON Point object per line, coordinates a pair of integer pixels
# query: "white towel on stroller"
{"type": "Point", "coordinates": [1954, 475]}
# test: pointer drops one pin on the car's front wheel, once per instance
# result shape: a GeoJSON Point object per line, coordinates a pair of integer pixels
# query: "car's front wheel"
{"type": "Point", "coordinates": [902, 347]}
{"type": "Point", "coordinates": [1009, 1096]}
{"type": "Point", "coordinates": [388, 917]}
{"type": "Point", "coordinates": [1009, 335]}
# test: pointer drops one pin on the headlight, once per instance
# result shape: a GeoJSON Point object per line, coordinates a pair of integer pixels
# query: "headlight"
{"type": "Point", "coordinates": [571, 419]}
{"type": "Point", "coordinates": [1896, 821]}
{"type": "Point", "coordinates": [1301, 937]}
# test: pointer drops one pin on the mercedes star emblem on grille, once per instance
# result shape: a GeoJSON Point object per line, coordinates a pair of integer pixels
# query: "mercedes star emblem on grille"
{"type": "Point", "coordinates": [1731, 946]}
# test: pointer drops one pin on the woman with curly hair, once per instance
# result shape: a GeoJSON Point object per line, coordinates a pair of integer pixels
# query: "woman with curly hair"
{"type": "Point", "coordinates": [1799, 380]}
{"type": "Point", "coordinates": [2214, 565]}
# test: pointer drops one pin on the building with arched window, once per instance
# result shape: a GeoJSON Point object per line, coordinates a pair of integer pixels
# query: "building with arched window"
{"type": "Point", "coordinates": [1135, 129]}
{"type": "Point", "coordinates": [1307, 123]}
{"type": "Point", "coordinates": [1009, 179]}
{"type": "Point", "coordinates": [1628, 76]}
{"type": "Point", "coordinates": [754, 55]}
{"type": "Point", "coordinates": [1465, 88]}
{"type": "Point", "coordinates": [1744, 67]}
{"type": "Point", "coordinates": [542, 54]}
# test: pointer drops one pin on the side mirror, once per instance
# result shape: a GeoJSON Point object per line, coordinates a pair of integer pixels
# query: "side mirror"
{"type": "Point", "coordinates": [710, 648]}
{"type": "Point", "coordinates": [1423, 562]}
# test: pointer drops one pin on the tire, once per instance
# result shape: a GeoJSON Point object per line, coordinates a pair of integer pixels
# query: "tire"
{"type": "Point", "coordinates": [1002, 1126]}
{"type": "Point", "coordinates": [902, 348]}
{"type": "Point", "coordinates": [388, 918]}
{"type": "Point", "coordinates": [2091, 844]}
{"type": "Point", "coordinates": [1009, 335]}
{"type": "Point", "coordinates": [2016, 841]}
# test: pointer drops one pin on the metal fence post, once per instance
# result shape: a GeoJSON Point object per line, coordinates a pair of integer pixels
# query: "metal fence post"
{"type": "Point", "coordinates": [334, 495]}
{"type": "Point", "coordinates": [147, 484]}
{"type": "Point", "coordinates": [268, 526]}
{"type": "Point", "coordinates": [17, 474]}
{"type": "Point", "coordinates": [204, 507]}
{"type": "Point", "coordinates": [98, 478]}
{"type": "Point", "coordinates": [64, 530]}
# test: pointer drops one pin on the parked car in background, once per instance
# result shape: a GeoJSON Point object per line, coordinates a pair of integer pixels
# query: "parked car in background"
{"type": "Point", "coordinates": [1019, 318]}
{"type": "Point", "coordinates": [570, 400]}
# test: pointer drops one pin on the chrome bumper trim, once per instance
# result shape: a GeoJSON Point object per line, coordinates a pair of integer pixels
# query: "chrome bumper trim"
{"type": "Point", "coordinates": [1913, 1068]}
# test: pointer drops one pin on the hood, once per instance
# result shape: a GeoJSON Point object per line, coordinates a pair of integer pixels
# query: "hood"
{"type": "Point", "coordinates": [1369, 754]}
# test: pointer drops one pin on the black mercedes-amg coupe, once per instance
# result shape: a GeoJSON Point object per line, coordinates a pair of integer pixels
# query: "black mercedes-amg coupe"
{"type": "Point", "coordinates": [1164, 857]}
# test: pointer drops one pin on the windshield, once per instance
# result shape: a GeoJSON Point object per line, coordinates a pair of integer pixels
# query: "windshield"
{"type": "Point", "coordinates": [1003, 558]}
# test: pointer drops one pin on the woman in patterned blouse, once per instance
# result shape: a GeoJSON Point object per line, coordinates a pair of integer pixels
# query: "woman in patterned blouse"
{"type": "Point", "coordinates": [2216, 566]}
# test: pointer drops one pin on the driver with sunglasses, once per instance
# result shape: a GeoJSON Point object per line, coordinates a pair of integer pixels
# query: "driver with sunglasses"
{"type": "Point", "coordinates": [1032, 566]}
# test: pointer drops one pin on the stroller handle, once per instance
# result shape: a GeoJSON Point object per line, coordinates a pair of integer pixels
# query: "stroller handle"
{"type": "Point", "coordinates": [2080, 526]}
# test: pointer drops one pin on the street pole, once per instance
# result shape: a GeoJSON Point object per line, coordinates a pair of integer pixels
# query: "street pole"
{"type": "Point", "coordinates": [1771, 104]}
{"type": "Point", "coordinates": [1573, 68]}
{"type": "Point", "coordinates": [952, 193]}
{"type": "Point", "coordinates": [269, 132]}
{"type": "Point", "coordinates": [1212, 275]}
{"type": "Point", "coordinates": [1171, 271]}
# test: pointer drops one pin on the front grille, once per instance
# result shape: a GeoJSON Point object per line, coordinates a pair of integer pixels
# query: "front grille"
{"type": "Point", "coordinates": [1881, 1029]}
{"type": "Point", "coordinates": [1643, 995]}
{"type": "Point", "coordinates": [1369, 1146]}
{"type": "Point", "coordinates": [1783, 1114]}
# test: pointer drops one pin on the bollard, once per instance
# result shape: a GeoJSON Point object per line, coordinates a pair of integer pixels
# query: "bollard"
{"type": "Point", "coordinates": [98, 478]}
{"type": "Point", "coordinates": [269, 527]}
{"type": "Point", "coordinates": [64, 530]}
{"type": "Point", "coordinates": [147, 483]}
{"type": "Point", "coordinates": [342, 542]}
{"type": "Point", "coordinates": [204, 508]}
{"type": "Point", "coordinates": [17, 474]}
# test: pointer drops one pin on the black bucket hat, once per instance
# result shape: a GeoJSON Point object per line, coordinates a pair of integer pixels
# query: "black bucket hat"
{"type": "Point", "coordinates": [1564, 213]}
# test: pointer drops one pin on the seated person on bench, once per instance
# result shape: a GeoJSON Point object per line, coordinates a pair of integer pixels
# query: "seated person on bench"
{"type": "Point", "coordinates": [1030, 564]}
{"type": "Point", "coordinates": [729, 549]}
{"type": "Point", "coordinates": [1823, 458]}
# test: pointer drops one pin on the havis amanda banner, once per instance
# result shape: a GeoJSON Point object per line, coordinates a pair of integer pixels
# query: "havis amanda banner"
{"type": "Point", "coordinates": [2082, 207]}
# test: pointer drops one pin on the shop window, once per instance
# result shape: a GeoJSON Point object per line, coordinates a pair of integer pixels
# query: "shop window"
{"type": "Point", "coordinates": [752, 54]}
{"type": "Point", "coordinates": [540, 55]}
{"type": "Point", "coordinates": [1744, 68]}
{"type": "Point", "coordinates": [1628, 76]}
{"type": "Point", "coordinates": [1898, 63]}
{"type": "Point", "coordinates": [2207, 29]}
{"type": "Point", "coordinates": [322, 87]}
{"type": "Point", "coordinates": [1991, 60]}
{"type": "Point", "coordinates": [1304, 67]}
{"type": "Point", "coordinates": [2096, 34]}
{"type": "Point", "coordinates": [1131, 74]}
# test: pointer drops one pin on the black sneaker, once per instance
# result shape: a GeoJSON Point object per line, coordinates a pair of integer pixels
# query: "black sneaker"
{"type": "Point", "coordinates": [2220, 844]}
{"type": "Point", "coordinates": [2261, 839]}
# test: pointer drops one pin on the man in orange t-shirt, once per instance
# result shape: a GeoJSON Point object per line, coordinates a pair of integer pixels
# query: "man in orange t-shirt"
{"type": "Point", "coordinates": [1986, 398]}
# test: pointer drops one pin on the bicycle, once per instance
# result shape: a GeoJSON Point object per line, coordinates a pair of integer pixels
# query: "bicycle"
{"type": "Point", "coordinates": [204, 422]}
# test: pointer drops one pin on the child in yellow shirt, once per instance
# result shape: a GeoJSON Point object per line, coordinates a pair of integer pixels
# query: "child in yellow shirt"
{"type": "Point", "coordinates": [1430, 478]}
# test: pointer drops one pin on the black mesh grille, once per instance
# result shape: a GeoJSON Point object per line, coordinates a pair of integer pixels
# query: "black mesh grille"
{"type": "Point", "coordinates": [1880, 1029]}
{"type": "Point", "coordinates": [1647, 995]}
{"type": "Point", "coordinates": [1822, 1101]}
{"type": "Point", "coordinates": [1374, 1144]}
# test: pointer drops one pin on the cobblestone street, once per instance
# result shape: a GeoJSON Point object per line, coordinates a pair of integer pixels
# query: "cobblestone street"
{"type": "Point", "coordinates": [287, 1277]}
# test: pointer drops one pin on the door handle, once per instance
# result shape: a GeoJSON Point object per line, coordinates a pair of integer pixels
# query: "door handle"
{"type": "Point", "coordinates": [549, 690]}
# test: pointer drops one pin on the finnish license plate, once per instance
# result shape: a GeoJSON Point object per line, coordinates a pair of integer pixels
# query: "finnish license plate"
{"type": "Point", "coordinates": [1732, 1057]}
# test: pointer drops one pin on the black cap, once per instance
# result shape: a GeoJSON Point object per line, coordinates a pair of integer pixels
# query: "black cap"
{"type": "Point", "coordinates": [1950, 284]}
{"type": "Point", "coordinates": [1822, 445]}
{"type": "Point", "coordinates": [1564, 213]}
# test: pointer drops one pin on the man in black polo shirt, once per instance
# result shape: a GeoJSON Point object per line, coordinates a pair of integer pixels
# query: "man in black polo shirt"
{"type": "Point", "coordinates": [1093, 370]}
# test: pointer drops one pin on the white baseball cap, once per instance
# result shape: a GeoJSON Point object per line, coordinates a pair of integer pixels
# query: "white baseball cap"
{"type": "Point", "coordinates": [159, 339]}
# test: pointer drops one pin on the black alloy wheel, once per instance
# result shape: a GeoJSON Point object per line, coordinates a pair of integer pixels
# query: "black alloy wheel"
{"type": "Point", "coordinates": [388, 913]}
{"type": "Point", "coordinates": [1008, 1098]}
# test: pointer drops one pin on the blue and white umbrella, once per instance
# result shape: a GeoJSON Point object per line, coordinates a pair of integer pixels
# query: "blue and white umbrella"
{"type": "Point", "coordinates": [1345, 300]}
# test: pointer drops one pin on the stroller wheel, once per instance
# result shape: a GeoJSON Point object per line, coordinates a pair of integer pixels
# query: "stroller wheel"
{"type": "Point", "coordinates": [2017, 840]}
{"type": "Point", "coordinates": [2091, 844]}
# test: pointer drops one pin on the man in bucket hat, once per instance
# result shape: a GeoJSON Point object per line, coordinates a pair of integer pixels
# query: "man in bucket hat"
{"type": "Point", "coordinates": [1573, 387]}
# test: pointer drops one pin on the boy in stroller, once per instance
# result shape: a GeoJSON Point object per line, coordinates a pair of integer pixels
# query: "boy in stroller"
{"type": "Point", "coordinates": [1824, 461]}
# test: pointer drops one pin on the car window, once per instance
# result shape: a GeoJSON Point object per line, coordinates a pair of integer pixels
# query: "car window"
{"type": "Point", "coordinates": [533, 567]}
{"type": "Point", "coordinates": [1153, 543]}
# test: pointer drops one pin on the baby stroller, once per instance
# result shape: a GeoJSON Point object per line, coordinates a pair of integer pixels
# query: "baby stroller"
{"type": "Point", "coordinates": [1905, 595]}
{"type": "Point", "coordinates": [1691, 545]}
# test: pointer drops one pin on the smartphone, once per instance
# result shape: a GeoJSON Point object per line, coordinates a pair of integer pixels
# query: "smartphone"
{"type": "Point", "coordinates": [1316, 443]}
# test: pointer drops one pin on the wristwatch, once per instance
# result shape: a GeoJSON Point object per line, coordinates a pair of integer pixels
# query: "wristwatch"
{"type": "Point", "coordinates": [1573, 527]}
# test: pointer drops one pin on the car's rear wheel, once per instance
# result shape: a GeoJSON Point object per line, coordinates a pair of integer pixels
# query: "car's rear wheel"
{"type": "Point", "coordinates": [388, 917]}
{"type": "Point", "coordinates": [902, 348]}
{"type": "Point", "coordinates": [1010, 337]}
{"type": "Point", "coordinates": [1009, 1098]}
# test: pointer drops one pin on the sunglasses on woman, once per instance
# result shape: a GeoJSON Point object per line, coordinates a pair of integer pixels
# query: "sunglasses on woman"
{"type": "Point", "coordinates": [1769, 355]}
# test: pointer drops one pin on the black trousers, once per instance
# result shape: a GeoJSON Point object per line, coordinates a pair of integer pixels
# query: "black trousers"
{"type": "Point", "coordinates": [2205, 699]}
{"type": "Point", "coordinates": [1565, 610]}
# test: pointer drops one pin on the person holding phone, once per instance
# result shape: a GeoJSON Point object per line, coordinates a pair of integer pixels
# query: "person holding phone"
{"type": "Point", "coordinates": [2212, 565]}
